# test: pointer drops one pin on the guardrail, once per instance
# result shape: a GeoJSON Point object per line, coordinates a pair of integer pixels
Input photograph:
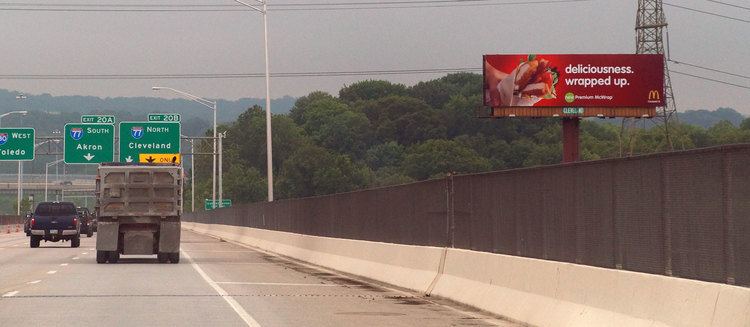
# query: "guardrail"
{"type": "Point", "coordinates": [683, 214]}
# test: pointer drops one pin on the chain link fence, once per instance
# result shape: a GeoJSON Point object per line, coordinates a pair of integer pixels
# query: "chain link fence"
{"type": "Point", "coordinates": [683, 214]}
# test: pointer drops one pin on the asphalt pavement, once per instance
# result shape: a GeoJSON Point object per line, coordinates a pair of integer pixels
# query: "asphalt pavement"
{"type": "Point", "coordinates": [216, 283]}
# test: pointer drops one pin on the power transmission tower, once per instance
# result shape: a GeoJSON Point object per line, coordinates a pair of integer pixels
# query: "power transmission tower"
{"type": "Point", "coordinates": [650, 25]}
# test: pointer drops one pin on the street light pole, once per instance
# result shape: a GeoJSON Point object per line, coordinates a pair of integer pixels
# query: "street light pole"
{"type": "Point", "coordinates": [192, 173]}
{"type": "Point", "coordinates": [192, 176]}
{"type": "Point", "coordinates": [46, 175]}
{"type": "Point", "coordinates": [20, 166]}
{"type": "Point", "coordinates": [211, 105]}
{"type": "Point", "coordinates": [269, 148]}
{"type": "Point", "coordinates": [221, 170]}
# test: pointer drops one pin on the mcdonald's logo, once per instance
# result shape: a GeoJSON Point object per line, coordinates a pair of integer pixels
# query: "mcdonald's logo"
{"type": "Point", "coordinates": [654, 95]}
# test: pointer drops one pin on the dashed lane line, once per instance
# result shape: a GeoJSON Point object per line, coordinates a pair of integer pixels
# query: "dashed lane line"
{"type": "Point", "coordinates": [63, 264]}
{"type": "Point", "coordinates": [34, 281]}
{"type": "Point", "coordinates": [76, 258]}
{"type": "Point", "coordinates": [10, 294]}
{"type": "Point", "coordinates": [51, 272]}
{"type": "Point", "coordinates": [230, 300]}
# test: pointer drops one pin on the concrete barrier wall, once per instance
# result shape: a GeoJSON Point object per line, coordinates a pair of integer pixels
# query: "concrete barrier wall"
{"type": "Point", "coordinates": [537, 292]}
{"type": "Point", "coordinates": [412, 267]}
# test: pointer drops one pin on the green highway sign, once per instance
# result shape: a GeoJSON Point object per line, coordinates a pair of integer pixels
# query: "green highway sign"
{"type": "Point", "coordinates": [16, 144]}
{"type": "Point", "coordinates": [208, 204]}
{"type": "Point", "coordinates": [148, 137]}
{"type": "Point", "coordinates": [89, 143]}
{"type": "Point", "coordinates": [164, 117]}
{"type": "Point", "coordinates": [98, 119]}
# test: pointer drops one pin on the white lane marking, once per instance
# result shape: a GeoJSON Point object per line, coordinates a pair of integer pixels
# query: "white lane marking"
{"type": "Point", "coordinates": [283, 284]}
{"type": "Point", "coordinates": [223, 251]}
{"type": "Point", "coordinates": [14, 245]}
{"type": "Point", "coordinates": [51, 272]}
{"type": "Point", "coordinates": [85, 253]}
{"type": "Point", "coordinates": [34, 281]}
{"type": "Point", "coordinates": [75, 258]}
{"type": "Point", "coordinates": [9, 294]}
{"type": "Point", "coordinates": [63, 264]}
{"type": "Point", "coordinates": [230, 300]}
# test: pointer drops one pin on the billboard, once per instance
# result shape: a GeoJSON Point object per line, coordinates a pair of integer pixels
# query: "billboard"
{"type": "Point", "coordinates": [574, 81]}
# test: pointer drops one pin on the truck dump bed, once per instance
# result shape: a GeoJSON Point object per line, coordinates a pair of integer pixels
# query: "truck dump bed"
{"type": "Point", "coordinates": [154, 191]}
{"type": "Point", "coordinates": [139, 209]}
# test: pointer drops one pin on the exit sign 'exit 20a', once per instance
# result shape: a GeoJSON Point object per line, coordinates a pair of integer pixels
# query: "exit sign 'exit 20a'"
{"type": "Point", "coordinates": [98, 119]}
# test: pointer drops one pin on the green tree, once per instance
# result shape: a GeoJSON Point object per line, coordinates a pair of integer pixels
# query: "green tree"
{"type": "Point", "coordinates": [493, 149]}
{"type": "Point", "coordinates": [435, 158]}
{"type": "Point", "coordinates": [745, 125]}
{"type": "Point", "coordinates": [370, 90]}
{"type": "Point", "coordinates": [390, 176]}
{"type": "Point", "coordinates": [389, 154]}
{"type": "Point", "coordinates": [313, 170]}
{"type": "Point", "coordinates": [247, 136]}
{"type": "Point", "coordinates": [297, 113]}
{"type": "Point", "coordinates": [403, 119]}
{"type": "Point", "coordinates": [724, 132]}
{"type": "Point", "coordinates": [333, 125]}
{"type": "Point", "coordinates": [244, 184]}
{"type": "Point", "coordinates": [438, 92]}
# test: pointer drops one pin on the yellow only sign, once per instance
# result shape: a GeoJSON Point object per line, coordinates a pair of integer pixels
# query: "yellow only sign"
{"type": "Point", "coordinates": [159, 158]}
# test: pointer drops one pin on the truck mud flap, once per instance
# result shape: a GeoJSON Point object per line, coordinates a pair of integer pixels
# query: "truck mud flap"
{"type": "Point", "coordinates": [107, 236]}
{"type": "Point", "coordinates": [169, 237]}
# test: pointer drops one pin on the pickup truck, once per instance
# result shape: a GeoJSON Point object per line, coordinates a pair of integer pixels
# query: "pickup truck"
{"type": "Point", "coordinates": [54, 222]}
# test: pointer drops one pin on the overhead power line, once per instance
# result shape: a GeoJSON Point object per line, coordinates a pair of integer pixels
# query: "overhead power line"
{"type": "Point", "coordinates": [310, 6]}
{"type": "Point", "coordinates": [729, 4]}
{"type": "Point", "coordinates": [233, 75]}
{"type": "Point", "coordinates": [709, 69]}
{"type": "Point", "coordinates": [710, 79]}
{"type": "Point", "coordinates": [707, 12]}
{"type": "Point", "coordinates": [283, 75]}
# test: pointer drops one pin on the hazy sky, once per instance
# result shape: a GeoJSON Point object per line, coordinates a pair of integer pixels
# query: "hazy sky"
{"type": "Point", "coordinates": [39, 42]}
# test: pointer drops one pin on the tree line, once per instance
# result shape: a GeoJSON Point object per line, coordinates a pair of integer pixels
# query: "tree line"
{"type": "Point", "coordinates": [377, 133]}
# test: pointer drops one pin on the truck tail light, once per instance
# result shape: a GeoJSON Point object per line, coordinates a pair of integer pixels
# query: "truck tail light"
{"type": "Point", "coordinates": [75, 221]}
{"type": "Point", "coordinates": [33, 221]}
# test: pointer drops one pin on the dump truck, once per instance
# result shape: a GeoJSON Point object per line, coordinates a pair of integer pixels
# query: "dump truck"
{"type": "Point", "coordinates": [138, 208]}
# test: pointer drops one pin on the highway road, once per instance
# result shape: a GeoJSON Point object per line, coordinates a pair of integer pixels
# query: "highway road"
{"type": "Point", "coordinates": [215, 284]}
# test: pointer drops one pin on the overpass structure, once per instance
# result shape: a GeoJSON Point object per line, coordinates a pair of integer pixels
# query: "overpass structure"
{"type": "Point", "coordinates": [584, 244]}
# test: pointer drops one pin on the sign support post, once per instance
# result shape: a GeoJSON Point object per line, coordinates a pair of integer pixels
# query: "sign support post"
{"type": "Point", "coordinates": [571, 139]}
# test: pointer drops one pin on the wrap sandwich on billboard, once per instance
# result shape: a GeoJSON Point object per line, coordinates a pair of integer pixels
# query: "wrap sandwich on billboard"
{"type": "Point", "coordinates": [574, 80]}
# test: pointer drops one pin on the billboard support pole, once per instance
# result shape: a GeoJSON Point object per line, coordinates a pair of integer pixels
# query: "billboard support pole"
{"type": "Point", "coordinates": [571, 139]}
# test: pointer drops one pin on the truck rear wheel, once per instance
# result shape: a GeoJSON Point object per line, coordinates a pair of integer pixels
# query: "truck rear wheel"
{"type": "Point", "coordinates": [162, 257]}
{"type": "Point", "coordinates": [174, 257]}
{"type": "Point", "coordinates": [35, 240]}
{"type": "Point", "coordinates": [90, 233]}
{"type": "Point", "coordinates": [75, 242]}
{"type": "Point", "coordinates": [114, 256]}
{"type": "Point", "coordinates": [101, 256]}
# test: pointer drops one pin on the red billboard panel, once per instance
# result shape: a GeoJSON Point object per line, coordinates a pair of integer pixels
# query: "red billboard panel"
{"type": "Point", "coordinates": [574, 80]}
